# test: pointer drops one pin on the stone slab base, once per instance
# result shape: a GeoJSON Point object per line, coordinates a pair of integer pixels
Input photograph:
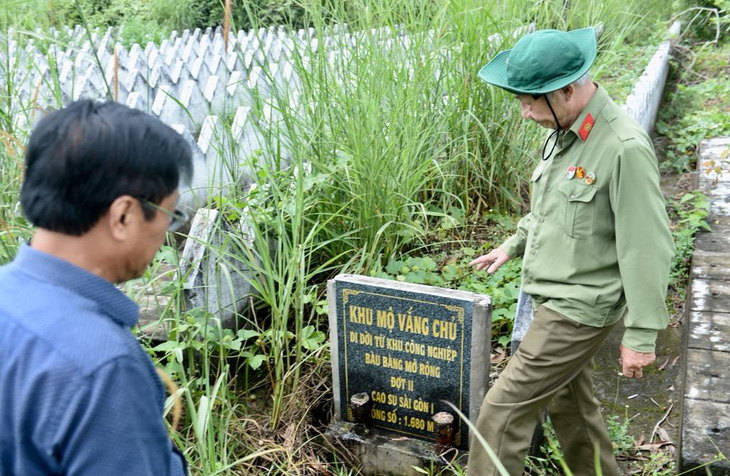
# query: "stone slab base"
{"type": "Point", "coordinates": [377, 452]}
{"type": "Point", "coordinates": [706, 433]}
{"type": "Point", "coordinates": [705, 440]}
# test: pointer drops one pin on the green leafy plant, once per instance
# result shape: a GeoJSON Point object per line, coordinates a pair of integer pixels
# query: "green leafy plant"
{"type": "Point", "coordinates": [454, 272]}
{"type": "Point", "coordinates": [690, 213]}
{"type": "Point", "coordinates": [661, 463]}
{"type": "Point", "coordinates": [696, 109]}
{"type": "Point", "coordinates": [618, 431]}
{"type": "Point", "coordinates": [552, 459]}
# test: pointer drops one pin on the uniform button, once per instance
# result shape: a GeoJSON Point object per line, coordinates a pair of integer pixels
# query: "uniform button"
{"type": "Point", "coordinates": [549, 189]}
{"type": "Point", "coordinates": [529, 282]}
{"type": "Point", "coordinates": [541, 220]}
{"type": "Point", "coordinates": [572, 195]}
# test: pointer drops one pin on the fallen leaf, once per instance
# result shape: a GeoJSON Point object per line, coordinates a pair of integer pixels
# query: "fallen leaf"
{"type": "Point", "coordinates": [640, 441]}
{"type": "Point", "coordinates": [664, 365]}
{"type": "Point", "coordinates": [498, 357]}
{"type": "Point", "coordinates": [663, 435]}
{"type": "Point", "coordinates": [320, 468]}
{"type": "Point", "coordinates": [631, 457]}
{"type": "Point", "coordinates": [674, 362]}
{"type": "Point", "coordinates": [653, 446]}
{"type": "Point", "coordinates": [672, 450]}
{"type": "Point", "coordinates": [400, 438]}
{"type": "Point", "coordinates": [289, 435]}
{"type": "Point", "coordinates": [671, 388]}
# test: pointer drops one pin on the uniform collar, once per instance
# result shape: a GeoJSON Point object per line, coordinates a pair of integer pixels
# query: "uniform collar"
{"type": "Point", "coordinates": [110, 300]}
{"type": "Point", "coordinates": [593, 109]}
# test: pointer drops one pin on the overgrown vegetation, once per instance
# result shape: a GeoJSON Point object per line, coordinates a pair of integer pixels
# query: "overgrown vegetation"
{"type": "Point", "coordinates": [395, 163]}
{"type": "Point", "coordinates": [453, 271]}
{"type": "Point", "coordinates": [699, 107]}
{"type": "Point", "coordinates": [146, 20]}
{"type": "Point", "coordinates": [689, 214]}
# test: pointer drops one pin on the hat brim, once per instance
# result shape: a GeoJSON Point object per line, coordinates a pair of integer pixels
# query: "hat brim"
{"type": "Point", "coordinates": [495, 72]}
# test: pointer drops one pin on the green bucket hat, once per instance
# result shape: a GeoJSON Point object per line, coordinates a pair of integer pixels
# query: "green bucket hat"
{"type": "Point", "coordinates": [543, 61]}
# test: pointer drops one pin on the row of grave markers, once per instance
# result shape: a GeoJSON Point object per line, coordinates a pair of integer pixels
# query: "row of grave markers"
{"type": "Point", "coordinates": [191, 80]}
{"type": "Point", "coordinates": [194, 72]}
{"type": "Point", "coordinates": [195, 68]}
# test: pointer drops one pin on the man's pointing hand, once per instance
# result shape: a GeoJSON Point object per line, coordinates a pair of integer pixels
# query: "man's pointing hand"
{"type": "Point", "coordinates": [490, 261]}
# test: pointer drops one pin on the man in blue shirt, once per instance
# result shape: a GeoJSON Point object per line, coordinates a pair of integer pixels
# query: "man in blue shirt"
{"type": "Point", "coordinates": [78, 394]}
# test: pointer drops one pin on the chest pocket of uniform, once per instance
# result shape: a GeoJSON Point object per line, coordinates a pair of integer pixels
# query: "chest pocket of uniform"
{"type": "Point", "coordinates": [535, 185]}
{"type": "Point", "coordinates": [579, 208]}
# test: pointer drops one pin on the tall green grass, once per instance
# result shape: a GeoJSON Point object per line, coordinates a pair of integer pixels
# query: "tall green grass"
{"type": "Point", "coordinates": [381, 145]}
{"type": "Point", "coordinates": [391, 139]}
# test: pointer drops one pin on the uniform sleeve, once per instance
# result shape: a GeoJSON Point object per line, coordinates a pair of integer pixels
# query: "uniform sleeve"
{"type": "Point", "coordinates": [514, 246]}
{"type": "Point", "coordinates": [643, 243]}
{"type": "Point", "coordinates": [114, 427]}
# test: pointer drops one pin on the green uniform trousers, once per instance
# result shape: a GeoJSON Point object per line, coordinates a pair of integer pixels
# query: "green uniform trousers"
{"type": "Point", "coordinates": [551, 369]}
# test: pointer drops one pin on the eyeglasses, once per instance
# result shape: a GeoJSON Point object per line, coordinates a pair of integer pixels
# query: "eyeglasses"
{"type": "Point", "coordinates": [177, 217]}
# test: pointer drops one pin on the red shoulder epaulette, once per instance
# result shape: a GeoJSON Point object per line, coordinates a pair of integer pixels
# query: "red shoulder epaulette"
{"type": "Point", "coordinates": [586, 127]}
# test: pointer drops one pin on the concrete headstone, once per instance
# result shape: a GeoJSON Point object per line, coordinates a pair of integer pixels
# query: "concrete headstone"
{"type": "Point", "coordinates": [409, 348]}
{"type": "Point", "coordinates": [213, 278]}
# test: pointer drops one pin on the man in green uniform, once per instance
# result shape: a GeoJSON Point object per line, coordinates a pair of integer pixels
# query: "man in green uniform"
{"type": "Point", "coordinates": [596, 246]}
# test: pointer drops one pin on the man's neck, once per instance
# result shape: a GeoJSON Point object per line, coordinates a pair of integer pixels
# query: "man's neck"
{"type": "Point", "coordinates": [82, 251]}
{"type": "Point", "coordinates": [581, 98]}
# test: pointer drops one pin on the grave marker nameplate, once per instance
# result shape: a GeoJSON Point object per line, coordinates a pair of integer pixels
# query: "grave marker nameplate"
{"type": "Point", "coordinates": [409, 347]}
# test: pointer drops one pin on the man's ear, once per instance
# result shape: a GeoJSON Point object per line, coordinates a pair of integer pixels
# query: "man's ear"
{"type": "Point", "coordinates": [568, 92]}
{"type": "Point", "coordinates": [119, 216]}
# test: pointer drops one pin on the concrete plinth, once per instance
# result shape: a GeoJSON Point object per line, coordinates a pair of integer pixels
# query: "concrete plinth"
{"type": "Point", "coordinates": [710, 265]}
{"type": "Point", "coordinates": [706, 404]}
{"type": "Point", "coordinates": [214, 279]}
{"type": "Point", "coordinates": [378, 452]}
{"type": "Point", "coordinates": [706, 433]}
{"type": "Point", "coordinates": [710, 295]}
{"type": "Point", "coordinates": [710, 331]}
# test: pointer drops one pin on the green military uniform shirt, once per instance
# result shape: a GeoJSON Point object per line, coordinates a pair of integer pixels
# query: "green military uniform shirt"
{"type": "Point", "coordinates": [597, 238]}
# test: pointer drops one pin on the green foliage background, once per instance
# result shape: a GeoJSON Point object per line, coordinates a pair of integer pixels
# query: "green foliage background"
{"type": "Point", "coordinates": [149, 20]}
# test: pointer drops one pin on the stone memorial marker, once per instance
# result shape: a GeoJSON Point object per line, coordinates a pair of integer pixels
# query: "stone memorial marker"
{"type": "Point", "coordinates": [408, 347]}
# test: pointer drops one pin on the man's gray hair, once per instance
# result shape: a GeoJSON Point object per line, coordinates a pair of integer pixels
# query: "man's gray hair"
{"type": "Point", "coordinates": [582, 81]}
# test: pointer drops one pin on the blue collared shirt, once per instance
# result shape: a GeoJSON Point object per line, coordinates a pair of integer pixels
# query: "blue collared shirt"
{"type": "Point", "coordinates": [78, 394]}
